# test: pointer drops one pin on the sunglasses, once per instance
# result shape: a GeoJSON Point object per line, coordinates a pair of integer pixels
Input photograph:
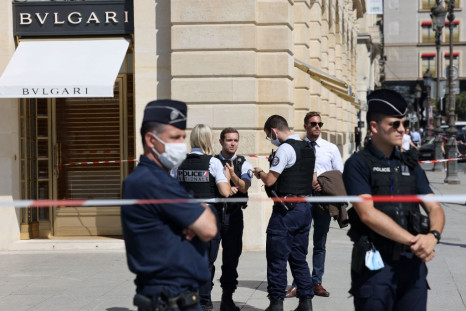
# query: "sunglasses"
{"type": "Point", "coordinates": [313, 124]}
{"type": "Point", "coordinates": [397, 124]}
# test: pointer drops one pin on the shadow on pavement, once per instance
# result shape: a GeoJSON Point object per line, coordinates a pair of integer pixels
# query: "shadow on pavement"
{"type": "Point", "coordinates": [453, 244]}
{"type": "Point", "coordinates": [257, 285]}
{"type": "Point", "coordinates": [247, 307]}
{"type": "Point", "coordinates": [118, 309]}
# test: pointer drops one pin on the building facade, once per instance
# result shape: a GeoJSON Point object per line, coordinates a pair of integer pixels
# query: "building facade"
{"type": "Point", "coordinates": [410, 48]}
{"type": "Point", "coordinates": [234, 62]}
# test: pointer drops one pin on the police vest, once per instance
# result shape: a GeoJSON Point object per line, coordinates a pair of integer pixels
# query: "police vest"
{"type": "Point", "coordinates": [195, 176]}
{"type": "Point", "coordinates": [238, 163]}
{"type": "Point", "coordinates": [390, 180]}
{"type": "Point", "coordinates": [297, 180]}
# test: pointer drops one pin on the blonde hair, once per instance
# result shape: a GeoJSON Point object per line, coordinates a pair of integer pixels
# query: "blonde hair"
{"type": "Point", "coordinates": [201, 137]}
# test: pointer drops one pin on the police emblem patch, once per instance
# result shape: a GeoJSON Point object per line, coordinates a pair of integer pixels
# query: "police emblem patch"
{"type": "Point", "coordinates": [275, 161]}
{"type": "Point", "coordinates": [250, 173]}
{"type": "Point", "coordinates": [174, 114]}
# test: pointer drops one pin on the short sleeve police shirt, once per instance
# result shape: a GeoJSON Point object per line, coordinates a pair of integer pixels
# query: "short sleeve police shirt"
{"type": "Point", "coordinates": [155, 245]}
{"type": "Point", "coordinates": [356, 174]}
{"type": "Point", "coordinates": [285, 157]}
{"type": "Point", "coordinates": [246, 168]}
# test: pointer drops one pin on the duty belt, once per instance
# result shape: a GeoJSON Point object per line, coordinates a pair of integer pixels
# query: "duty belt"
{"type": "Point", "coordinates": [163, 302]}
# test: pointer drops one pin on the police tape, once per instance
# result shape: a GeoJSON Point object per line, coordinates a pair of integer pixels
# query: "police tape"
{"type": "Point", "coordinates": [246, 156]}
{"type": "Point", "coordinates": [321, 199]}
{"type": "Point", "coordinates": [442, 160]}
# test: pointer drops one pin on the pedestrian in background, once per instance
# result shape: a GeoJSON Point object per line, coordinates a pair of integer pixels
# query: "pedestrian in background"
{"type": "Point", "coordinates": [368, 137]}
{"type": "Point", "coordinates": [391, 242]}
{"type": "Point", "coordinates": [204, 176]}
{"type": "Point", "coordinates": [328, 158]}
{"type": "Point", "coordinates": [231, 215]}
{"type": "Point", "coordinates": [416, 137]}
{"type": "Point", "coordinates": [357, 139]}
{"type": "Point", "coordinates": [165, 242]}
{"type": "Point", "coordinates": [290, 175]}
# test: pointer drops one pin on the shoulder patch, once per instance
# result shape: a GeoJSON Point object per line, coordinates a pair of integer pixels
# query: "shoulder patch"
{"type": "Point", "coordinates": [275, 161]}
{"type": "Point", "coordinates": [250, 173]}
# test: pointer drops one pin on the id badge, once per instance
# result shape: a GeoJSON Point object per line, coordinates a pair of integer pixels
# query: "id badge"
{"type": "Point", "coordinates": [405, 170]}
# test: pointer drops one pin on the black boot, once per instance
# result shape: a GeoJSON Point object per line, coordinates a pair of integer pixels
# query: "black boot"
{"type": "Point", "coordinates": [207, 306]}
{"type": "Point", "coordinates": [227, 303]}
{"type": "Point", "coordinates": [275, 304]}
{"type": "Point", "coordinates": [305, 304]}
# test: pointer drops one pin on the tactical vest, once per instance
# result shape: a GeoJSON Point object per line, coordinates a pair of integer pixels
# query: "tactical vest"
{"type": "Point", "coordinates": [297, 180]}
{"type": "Point", "coordinates": [195, 176]}
{"type": "Point", "coordinates": [389, 180]}
{"type": "Point", "coordinates": [238, 163]}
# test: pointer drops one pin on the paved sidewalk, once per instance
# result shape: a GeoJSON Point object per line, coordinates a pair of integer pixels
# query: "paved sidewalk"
{"type": "Point", "coordinates": [92, 274]}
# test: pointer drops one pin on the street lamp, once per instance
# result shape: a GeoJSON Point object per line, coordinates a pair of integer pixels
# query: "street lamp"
{"type": "Point", "coordinates": [438, 14]}
{"type": "Point", "coordinates": [451, 147]}
{"type": "Point", "coordinates": [418, 95]}
{"type": "Point", "coordinates": [428, 84]}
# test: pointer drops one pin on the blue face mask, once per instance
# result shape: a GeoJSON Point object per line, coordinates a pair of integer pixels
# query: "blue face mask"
{"type": "Point", "coordinates": [373, 259]}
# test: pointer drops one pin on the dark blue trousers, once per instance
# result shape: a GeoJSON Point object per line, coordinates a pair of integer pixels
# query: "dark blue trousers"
{"type": "Point", "coordinates": [230, 234]}
{"type": "Point", "coordinates": [401, 285]}
{"type": "Point", "coordinates": [287, 241]}
{"type": "Point", "coordinates": [321, 227]}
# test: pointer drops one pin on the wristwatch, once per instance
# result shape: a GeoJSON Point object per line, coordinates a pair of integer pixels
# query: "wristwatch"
{"type": "Point", "coordinates": [436, 234]}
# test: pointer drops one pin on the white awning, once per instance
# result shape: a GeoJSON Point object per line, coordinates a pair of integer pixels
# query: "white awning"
{"type": "Point", "coordinates": [63, 68]}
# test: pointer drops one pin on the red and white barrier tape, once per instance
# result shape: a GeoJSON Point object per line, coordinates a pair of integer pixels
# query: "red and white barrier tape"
{"type": "Point", "coordinates": [247, 156]}
{"type": "Point", "coordinates": [321, 199]}
{"type": "Point", "coordinates": [442, 160]}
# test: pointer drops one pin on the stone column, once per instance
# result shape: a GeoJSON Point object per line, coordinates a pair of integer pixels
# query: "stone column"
{"type": "Point", "coordinates": [9, 138]}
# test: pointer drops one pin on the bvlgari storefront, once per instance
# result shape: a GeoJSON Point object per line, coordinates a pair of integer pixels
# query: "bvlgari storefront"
{"type": "Point", "coordinates": [72, 73]}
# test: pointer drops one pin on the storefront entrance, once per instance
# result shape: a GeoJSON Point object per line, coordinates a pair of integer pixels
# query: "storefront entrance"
{"type": "Point", "coordinates": [60, 139]}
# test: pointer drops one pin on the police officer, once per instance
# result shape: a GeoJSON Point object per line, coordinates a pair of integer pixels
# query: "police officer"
{"type": "Point", "coordinates": [204, 177]}
{"type": "Point", "coordinates": [165, 245]}
{"type": "Point", "coordinates": [290, 175]}
{"type": "Point", "coordinates": [395, 230]}
{"type": "Point", "coordinates": [231, 215]}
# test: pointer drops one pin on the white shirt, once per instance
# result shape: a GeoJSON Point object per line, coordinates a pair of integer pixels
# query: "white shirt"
{"type": "Point", "coordinates": [285, 157]}
{"type": "Point", "coordinates": [328, 156]}
{"type": "Point", "coordinates": [216, 168]}
{"type": "Point", "coordinates": [246, 168]}
{"type": "Point", "coordinates": [406, 141]}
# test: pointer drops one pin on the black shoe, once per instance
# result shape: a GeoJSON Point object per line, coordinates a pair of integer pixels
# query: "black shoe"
{"type": "Point", "coordinates": [275, 305]}
{"type": "Point", "coordinates": [227, 303]}
{"type": "Point", "coordinates": [305, 304]}
{"type": "Point", "coordinates": [207, 306]}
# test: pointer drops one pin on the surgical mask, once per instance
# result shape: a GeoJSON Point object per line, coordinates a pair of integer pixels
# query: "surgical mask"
{"type": "Point", "coordinates": [275, 140]}
{"type": "Point", "coordinates": [373, 259]}
{"type": "Point", "coordinates": [174, 154]}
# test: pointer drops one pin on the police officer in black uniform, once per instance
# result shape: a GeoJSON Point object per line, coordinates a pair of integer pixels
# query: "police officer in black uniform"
{"type": "Point", "coordinates": [165, 242]}
{"type": "Point", "coordinates": [205, 177]}
{"type": "Point", "coordinates": [231, 215]}
{"type": "Point", "coordinates": [403, 237]}
{"type": "Point", "coordinates": [290, 175]}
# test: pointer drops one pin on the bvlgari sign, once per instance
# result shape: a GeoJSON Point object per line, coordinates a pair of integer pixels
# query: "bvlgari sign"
{"type": "Point", "coordinates": [73, 18]}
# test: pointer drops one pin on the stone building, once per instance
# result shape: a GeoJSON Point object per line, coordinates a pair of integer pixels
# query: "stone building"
{"type": "Point", "coordinates": [234, 62]}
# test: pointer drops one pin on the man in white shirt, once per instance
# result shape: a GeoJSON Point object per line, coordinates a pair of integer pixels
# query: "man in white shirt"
{"type": "Point", "coordinates": [328, 158]}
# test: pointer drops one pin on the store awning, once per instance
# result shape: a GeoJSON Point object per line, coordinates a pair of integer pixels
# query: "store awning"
{"type": "Point", "coordinates": [63, 68]}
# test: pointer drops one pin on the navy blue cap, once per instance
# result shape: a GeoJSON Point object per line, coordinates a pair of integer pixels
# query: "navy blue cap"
{"type": "Point", "coordinates": [387, 102]}
{"type": "Point", "coordinates": [166, 111]}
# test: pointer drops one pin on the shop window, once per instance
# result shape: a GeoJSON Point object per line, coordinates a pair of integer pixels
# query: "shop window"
{"type": "Point", "coordinates": [428, 62]}
{"type": "Point", "coordinates": [427, 4]}
{"type": "Point", "coordinates": [427, 33]}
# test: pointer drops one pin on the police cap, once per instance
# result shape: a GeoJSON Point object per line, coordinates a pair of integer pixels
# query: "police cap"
{"type": "Point", "coordinates": [166, 111]}
{"type": "Point", "coordinates": [387, 102]}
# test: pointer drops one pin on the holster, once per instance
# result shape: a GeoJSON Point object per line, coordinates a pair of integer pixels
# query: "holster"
{"type": "Point", "coordinates": [358, 256]}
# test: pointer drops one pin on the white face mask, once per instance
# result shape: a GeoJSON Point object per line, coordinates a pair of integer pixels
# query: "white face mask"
{"type": "Point", "coordinates": [174, 154]}
{"type": "Point", "coordinates": [275, 140]}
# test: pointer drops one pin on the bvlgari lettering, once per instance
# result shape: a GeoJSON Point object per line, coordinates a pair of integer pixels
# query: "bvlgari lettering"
{"type": "Point", "coordinates": [74, 18]}
{"type": "Point", "coordinates": [55, 91]}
